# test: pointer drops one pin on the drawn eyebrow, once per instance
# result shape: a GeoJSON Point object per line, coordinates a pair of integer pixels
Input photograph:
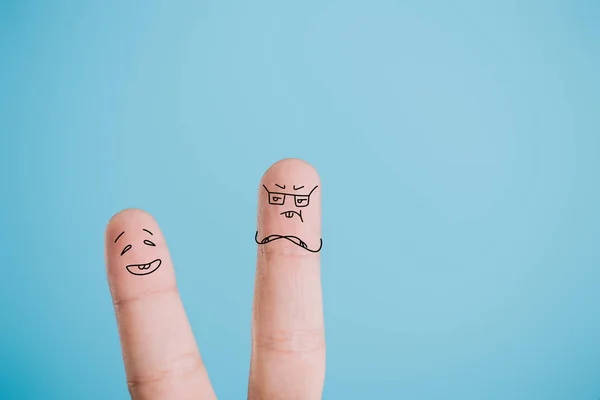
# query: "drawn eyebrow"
{"type": "Point", "coordinates": [297, 188]}
{"type": "Point", "coordinates": [279, 186]}
{"type": "Point", "coordinates": [119, 236]}
{"type": "Point", "coordinates": [148, 231]}
{"type": "Point", "coordinates": [313, 190]}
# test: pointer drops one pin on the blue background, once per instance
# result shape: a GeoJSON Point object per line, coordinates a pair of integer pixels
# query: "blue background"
{"type": "Point", "coordinates": [458, 149]}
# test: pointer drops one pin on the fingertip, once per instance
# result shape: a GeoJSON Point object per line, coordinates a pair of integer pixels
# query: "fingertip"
{"type": "Point", "coordinates": [133, 240]}
{"type": "Point", "coordinates": [291, 168]}
{"type": "Point", "coordinates": [128, 214]}
{"type": "Point", "coordinates": [126, 218]}
{"type": "Point", "coordinates": [289, 208]}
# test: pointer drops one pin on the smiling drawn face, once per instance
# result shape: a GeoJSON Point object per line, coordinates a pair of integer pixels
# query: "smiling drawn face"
{"type": "Point", "coordinates": [141, 268]}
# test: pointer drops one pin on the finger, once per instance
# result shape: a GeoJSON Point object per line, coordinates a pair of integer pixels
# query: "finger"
{"type": "Point", "coordinates": [288, 341]}
{"type": "Point", "coordinates": [160, 354]}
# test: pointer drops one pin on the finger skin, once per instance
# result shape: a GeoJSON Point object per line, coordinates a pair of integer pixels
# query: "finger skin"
{"type": "Point", "coordinates": [159, 351]}
{"type": "Point", "coordinates": [288, 340]}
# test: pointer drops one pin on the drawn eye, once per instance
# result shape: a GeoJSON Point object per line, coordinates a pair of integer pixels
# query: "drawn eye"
{"type": "Point", "coordinates": [276, 198]}
{"type": "Point", "coordinates": [126, 249]}
{"type": "Point", "coordinates": [149, 243]}
{"type": "Point", "coordinates": [301, 201]}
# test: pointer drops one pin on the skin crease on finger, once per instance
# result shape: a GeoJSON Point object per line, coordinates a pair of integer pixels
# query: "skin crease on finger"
{"type": "Point", "coordinates": [288, 340]}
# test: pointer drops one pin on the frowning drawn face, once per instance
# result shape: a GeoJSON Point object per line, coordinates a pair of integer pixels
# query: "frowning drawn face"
{"type": "Point", "coordinates": [291, 204]}
{"type": "Point", "coordinates": [144, 268]}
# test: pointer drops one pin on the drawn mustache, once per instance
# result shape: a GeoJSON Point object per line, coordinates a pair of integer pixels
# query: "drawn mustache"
{"type": "Point", "coordinates": [294, 239]}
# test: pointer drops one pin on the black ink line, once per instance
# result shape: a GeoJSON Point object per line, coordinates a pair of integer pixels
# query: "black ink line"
{"type": "Point", "coordinates": [281, 187]}
{"type": "Point", "coordinates": [149, 243]}
{"type": "Point", "coordinates": [126, 249]}
{"type": "Point", "coordinates": [119, 236]}
{"type": "Point", "coordinates": [148, 231]}
{"type": "Point", "coordinates": [289, 194]}
{"type": "Point", "coordinates": [144, 269]}
{"type": "Point", "coordinates": [272, 238]}
{"type": "Point", "coordinates": [290, 214]}
{"type": "Point", "coordinates": [295, 188]}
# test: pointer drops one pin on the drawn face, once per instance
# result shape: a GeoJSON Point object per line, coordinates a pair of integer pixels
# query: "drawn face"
{"type": "Point", "coordinates": [143, 268]}
{"type": "Point", "coordinates": [289, 205]}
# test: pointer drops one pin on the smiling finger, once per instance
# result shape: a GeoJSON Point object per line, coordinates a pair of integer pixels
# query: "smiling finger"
{"type": "Point", "coordinates": [160, 354]}
{"type": "Point", "coordinates": [288, 340]}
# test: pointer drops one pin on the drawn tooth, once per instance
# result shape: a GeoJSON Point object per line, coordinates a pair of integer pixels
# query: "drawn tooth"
{"type": "Point", "coordinates": [140, 267]}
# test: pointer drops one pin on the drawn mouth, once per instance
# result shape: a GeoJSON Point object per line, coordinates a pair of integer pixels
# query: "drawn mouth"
{"type": "Point", "coordinates": [294, 239]}
{"type": "Point", "coordinates": [290, 214]}
{"type": "Point", "coordinates": [144, 269]}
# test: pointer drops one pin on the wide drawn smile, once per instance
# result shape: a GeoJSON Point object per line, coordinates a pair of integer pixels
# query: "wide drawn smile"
{"type": "Point", "coordinates": [144, 269]}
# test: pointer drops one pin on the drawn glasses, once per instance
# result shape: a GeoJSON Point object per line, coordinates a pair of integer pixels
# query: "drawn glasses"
{"type": "Point", "coordinates": [300, 200]}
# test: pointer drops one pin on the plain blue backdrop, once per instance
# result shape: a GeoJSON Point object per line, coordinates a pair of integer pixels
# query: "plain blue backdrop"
{"type": "Point", "coordinates": [457, 144]}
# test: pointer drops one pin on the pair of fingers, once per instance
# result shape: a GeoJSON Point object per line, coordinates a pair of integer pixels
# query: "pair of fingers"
{"type": "Point", "coordinates": [162, 360]}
